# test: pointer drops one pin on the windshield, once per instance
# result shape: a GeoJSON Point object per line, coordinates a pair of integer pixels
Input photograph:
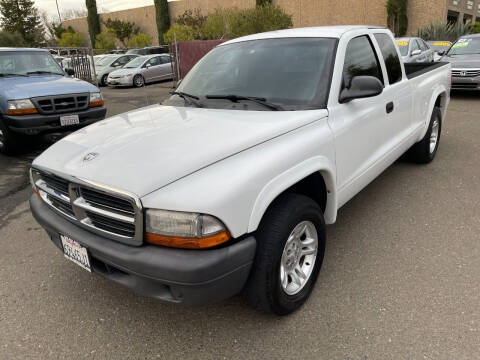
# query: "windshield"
{"type": "Point", "coordinates": [135, 63]}
{"type": "Point", "coordinates": [439, 45]}
{"type": "Point", "coordinates": [105, 60]}
{"type": "Point", "coordinates": [28, 63]}
{"type": "Point", "coordinates": [134, 52]}
{"type": "Point", "coordinates": [465, 46]}
{"type": "Point", "coordinates": [403, 46]}
{"type": "Point", "coordinates": [293, 73]}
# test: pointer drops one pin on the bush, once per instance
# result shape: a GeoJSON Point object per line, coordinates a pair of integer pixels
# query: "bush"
{"type": "Point", "coordinates": [139, 40]}
{"type": "Point", "coordinates": [8, 39]}
{"type": "Point", "coordinates": [71, 39]}
{"type": "Point", "coordinates": [444, 31]}
{"type": "Point", "coordinates": [195, 19]}
{"type": "Point", "coordinates": [105, 40]}
{"type": "Point", "coordinates": [182, 32]}
{"type": "Point", "coordinates": [476, 28]}
{"type": "Point", "coordinates": [217, 25]}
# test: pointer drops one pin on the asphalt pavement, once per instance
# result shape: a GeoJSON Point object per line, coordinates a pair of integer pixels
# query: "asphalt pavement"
{"type": "Point", "coordinates": [401, 277]}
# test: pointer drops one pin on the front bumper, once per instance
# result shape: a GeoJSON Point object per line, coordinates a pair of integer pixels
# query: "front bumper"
{"type": "Point", "coordinates": [466, 83]}
{"type": "Point", "coordinates": [38, 123]}
{"type": "Point", "coordinates": [124, 81]}
{"type": "Point", "coordinates": [190, 277]}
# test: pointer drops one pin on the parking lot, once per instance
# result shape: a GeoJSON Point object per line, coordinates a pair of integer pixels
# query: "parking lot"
{"type": "Point", "coordinates": [401, 277]}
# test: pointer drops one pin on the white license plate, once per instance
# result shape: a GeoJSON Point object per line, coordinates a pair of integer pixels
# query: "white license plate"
{"type": "Point", "coordinates": [69, 120]}
{"type": "Point", "coordinates": [75, 252]}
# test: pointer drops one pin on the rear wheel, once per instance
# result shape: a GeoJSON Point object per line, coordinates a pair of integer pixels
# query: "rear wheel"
{"type": "Point", "coordinates": [425, 150]}
{"type": "Point", "coordinates": [138, 81]}
{"type": "Point", "coordinates": [291, 245]}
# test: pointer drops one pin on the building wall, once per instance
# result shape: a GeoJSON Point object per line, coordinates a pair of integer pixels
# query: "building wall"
{"type": "Point", "coordinates": [469, 7]}
{"type": "Point", "coordinates": [304, 13]}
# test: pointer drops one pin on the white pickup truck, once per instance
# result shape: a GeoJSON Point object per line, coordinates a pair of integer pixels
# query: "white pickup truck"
{"type": "Point", "coordinates": [228, 185]}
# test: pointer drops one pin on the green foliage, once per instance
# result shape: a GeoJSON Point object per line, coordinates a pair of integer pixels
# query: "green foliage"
{"type": "Point", "coordinates": [21, 17]}
{"type": "Point", "coordinates": [444, 31]}
{"type": "Point", "coordinates": [182, 32]}
{"type": "Point", "coordinates": [397, 18]}
{"type": "Point", "coordinates": [263, 2]}
{"type": "Point", "coordinates": [105, 40]}
{"type": "Point", "coordinates": [476, 28]}
{"type": "Point", "coordinates": [194, 19]}
{"type": "Point", "coordinates": [123, 30]}
{"type": "Point", "coordinates": [71, 39]}
{"type": "Point", "coordinates": [232, 23]}
{"type": "Point", "coordinates": [139, 40]}
{"type": "Point", "coordinates": [93, 20]}
{"type": "Point", "coordinates": [8, 39]}
{"type": "Point", "coordinates": [162, 17]}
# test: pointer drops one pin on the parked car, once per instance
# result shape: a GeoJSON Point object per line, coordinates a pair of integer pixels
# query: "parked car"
{"type": "Point", "coordinates": [141, 70]}
{"type": "Point", "coordinates": [149, 50]}
{"type": "Point", "coordinates": [229, 184]}
{"type": "Point", "coordinates": [439, 48]}
{"type": "Point", "coordinates": [464, 56]}
{"type": "Point", "coordinates": [415, 50]}
{"type": "Point", "coordinates": [109, 63]}
{"type": "Point", "coordinates": [37, 97]}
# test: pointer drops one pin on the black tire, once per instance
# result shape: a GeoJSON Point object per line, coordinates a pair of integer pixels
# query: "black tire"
{"type": "Point", "coordinates": [263, 289]}
{"type": "Point", "coordinates": [9, 141]}
{"type": "Point", "coordinates": [421, 153]}
{"type": "Point", "coordinates": [103, 81]}
{"type": "Point", "coordinates": [138, 81]}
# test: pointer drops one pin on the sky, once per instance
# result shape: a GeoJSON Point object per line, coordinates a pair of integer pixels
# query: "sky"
{"type": "Point", "coordinates": [111, 5]}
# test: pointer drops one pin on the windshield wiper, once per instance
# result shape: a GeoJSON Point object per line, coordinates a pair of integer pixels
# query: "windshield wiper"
{"type": "Point", "coordinates": [42, 72]}
{"type": "Point", "coordinates": [192, 99]}
{"type": "Point", "coordinates": [258, 100]}
{"type": "Point", "coordinates": [11, 74]}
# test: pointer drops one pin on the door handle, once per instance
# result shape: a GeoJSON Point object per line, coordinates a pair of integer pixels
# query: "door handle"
{"type": "Point", "coordinates": [390, 107]}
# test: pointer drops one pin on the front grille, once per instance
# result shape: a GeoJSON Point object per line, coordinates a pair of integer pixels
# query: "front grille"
{"type": "Point", "coordinates": [61, 104]}
{"type": "Point", "coordinates": [466, 72]}
{"type": "Point", "coordinates": [117, 216]}
{"type": "Point", "coordinates": [464, 86]}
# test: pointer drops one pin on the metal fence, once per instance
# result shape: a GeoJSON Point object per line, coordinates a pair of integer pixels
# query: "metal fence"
{"type": "Point", "coordinates": [79, 59]}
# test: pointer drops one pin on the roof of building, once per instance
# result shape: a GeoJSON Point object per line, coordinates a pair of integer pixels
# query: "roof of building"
{"type": "Point", "coordinates": [319, 31]}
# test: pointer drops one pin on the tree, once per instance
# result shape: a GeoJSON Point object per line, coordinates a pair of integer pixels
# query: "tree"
{"type": "Point", "coordinates": [10, 39]}
{"type": "Point", "coordinates": [139, 40]}
{"type": "Point", "coordinates": [182, 33]}
{"type": "Point", "coordinates": [21, 16]}
{"type": "Point", "coordinates": [93, 20]}
{"type": "Point", "coordinates": [105, 40]}
{"type": "Point", "coordinates": [162, 17]}
{"type": "Point", "coordinates": [195, 19]}
{"type": "Point", "coordinates": [397, 18]}
{"type": "Point", "coordinates": [123, 30]}
{"type": "Point", "coordinates": [71, 39]}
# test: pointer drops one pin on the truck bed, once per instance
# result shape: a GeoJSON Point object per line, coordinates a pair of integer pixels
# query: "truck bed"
{"type": "Point", "coordinates": [416, 69]}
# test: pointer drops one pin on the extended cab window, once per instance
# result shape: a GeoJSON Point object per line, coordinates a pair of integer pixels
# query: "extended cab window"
{"type": "Point", "coordinates": [392, 62]}
{"type": "Point", "coordinates": [360, 60]}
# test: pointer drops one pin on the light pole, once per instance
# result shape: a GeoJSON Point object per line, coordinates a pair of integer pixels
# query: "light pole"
{"type": "Point", "coordinates": [58, 10]}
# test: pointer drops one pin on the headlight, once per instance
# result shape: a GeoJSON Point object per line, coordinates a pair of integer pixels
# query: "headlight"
{"type": "Point", "coordinates": [21, 107]}
{"type": "Point", "coordinates": [96, 99]}
{"type": "Point", "coordinates": [184, 230]}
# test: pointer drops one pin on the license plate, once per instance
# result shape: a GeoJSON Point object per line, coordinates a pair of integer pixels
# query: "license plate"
{"type": "Point", "coordinates": [69, 120]}
{"type": "Point", "coordinates": [75, 252]}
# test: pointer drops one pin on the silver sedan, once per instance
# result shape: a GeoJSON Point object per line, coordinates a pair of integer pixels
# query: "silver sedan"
{"type": "Point", "coordinates": [415, 50]}
{"type": "Point", "coordinates": [142, 70]}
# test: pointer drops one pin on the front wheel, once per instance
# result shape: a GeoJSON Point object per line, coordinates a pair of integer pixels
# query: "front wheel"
{"type": "Point", "coordinates": [290, 250]}
{"type": "Point", "coordinates": [138, 81]}
{"type": "Point", "coordinates": [9, 141]}
{"type": "Point", "coordinates": [425, 150]}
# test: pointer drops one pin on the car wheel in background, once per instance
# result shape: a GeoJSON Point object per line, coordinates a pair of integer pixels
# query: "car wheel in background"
{"type": "Point", "coordinates": [9, 141]}
{"type": "Point", "coordinates": [138, 81]}
{"type": "Point", "coordinates": [425, 150]}
{"type": "Point", "coordinates": [290, 249]}
{"type": "Point", "coordinates": [103, 81]}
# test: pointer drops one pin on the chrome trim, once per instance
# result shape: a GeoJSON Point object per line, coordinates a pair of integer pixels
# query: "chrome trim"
{"type": "Point", "coordinates": [82, 203]}
{"type": "Point", "coordinates": [42, 185]}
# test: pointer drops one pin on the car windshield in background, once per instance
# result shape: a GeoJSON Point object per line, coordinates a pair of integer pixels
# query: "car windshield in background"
{"type": "Point", "coordinates": [403, 46]}
{"type": "Point", "coordinates": [293, 74]}
{"type": "Point", "coordinates": [26, 63]}
{"type": "Point", "coordinates": [465, 46]}
{"type": "Point", "coordinates": [135, 63]}
{"type": "Point", "coordinates": [105, 60]}
{"type": "Point", "coordinates": [440, 45]}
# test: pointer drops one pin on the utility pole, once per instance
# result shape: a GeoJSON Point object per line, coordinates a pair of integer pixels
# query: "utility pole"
{"type": "Point", "coordinates": [58, 10]}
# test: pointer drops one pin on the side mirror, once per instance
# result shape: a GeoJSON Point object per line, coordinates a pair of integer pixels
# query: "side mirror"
{"type": "Point", "coordinates": [416, 52]}
{"type": "Point", "coordinates": [441, 52]}
{"type": "Point", "coordinates": [70, 71]}
{"type": "Point", "coordinates": [361, 87]}
{"type": "Point", "coordinates": [148, 66]}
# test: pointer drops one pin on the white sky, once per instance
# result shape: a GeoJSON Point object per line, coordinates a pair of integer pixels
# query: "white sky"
{"type": "Point", "coordinates": [111, 5]}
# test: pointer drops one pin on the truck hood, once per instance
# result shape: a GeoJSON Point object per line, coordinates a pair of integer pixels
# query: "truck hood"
{"type": "Point", "coordinates": [463, 61]}
{"type": "Point", "coordinates": [146, 149]}
{"type": "Point", "coordinates": [33, 86]}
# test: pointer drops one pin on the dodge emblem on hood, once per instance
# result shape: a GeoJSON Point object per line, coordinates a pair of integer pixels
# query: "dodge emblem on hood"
{"type": "Point", "coordinates": [90, 156]}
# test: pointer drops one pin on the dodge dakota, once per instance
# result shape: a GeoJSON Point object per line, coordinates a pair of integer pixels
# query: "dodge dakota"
{"type": "Point", "coordinates": [227, 186]}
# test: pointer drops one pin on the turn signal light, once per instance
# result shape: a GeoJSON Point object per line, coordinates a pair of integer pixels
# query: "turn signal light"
{"type": "Point", "coordinates": [22, 111]}
{"type": "Point", "coordinates": [188, 243]}
{"type": "Point", "coordinates": [97, 103]}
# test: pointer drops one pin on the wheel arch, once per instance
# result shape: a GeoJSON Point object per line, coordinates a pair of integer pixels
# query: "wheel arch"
{"type": "Point", "coordinates": [440, 99]}
{"type": "Point", "coordinates": [314, 178]}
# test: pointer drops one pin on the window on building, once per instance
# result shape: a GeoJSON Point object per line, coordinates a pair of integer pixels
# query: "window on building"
{"type": "Point", "coordinates": [390, 55]}
{"type": "Point", "coordinates": [452, 17]}
{"type": "Point", "coordinates": [360, 60]}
